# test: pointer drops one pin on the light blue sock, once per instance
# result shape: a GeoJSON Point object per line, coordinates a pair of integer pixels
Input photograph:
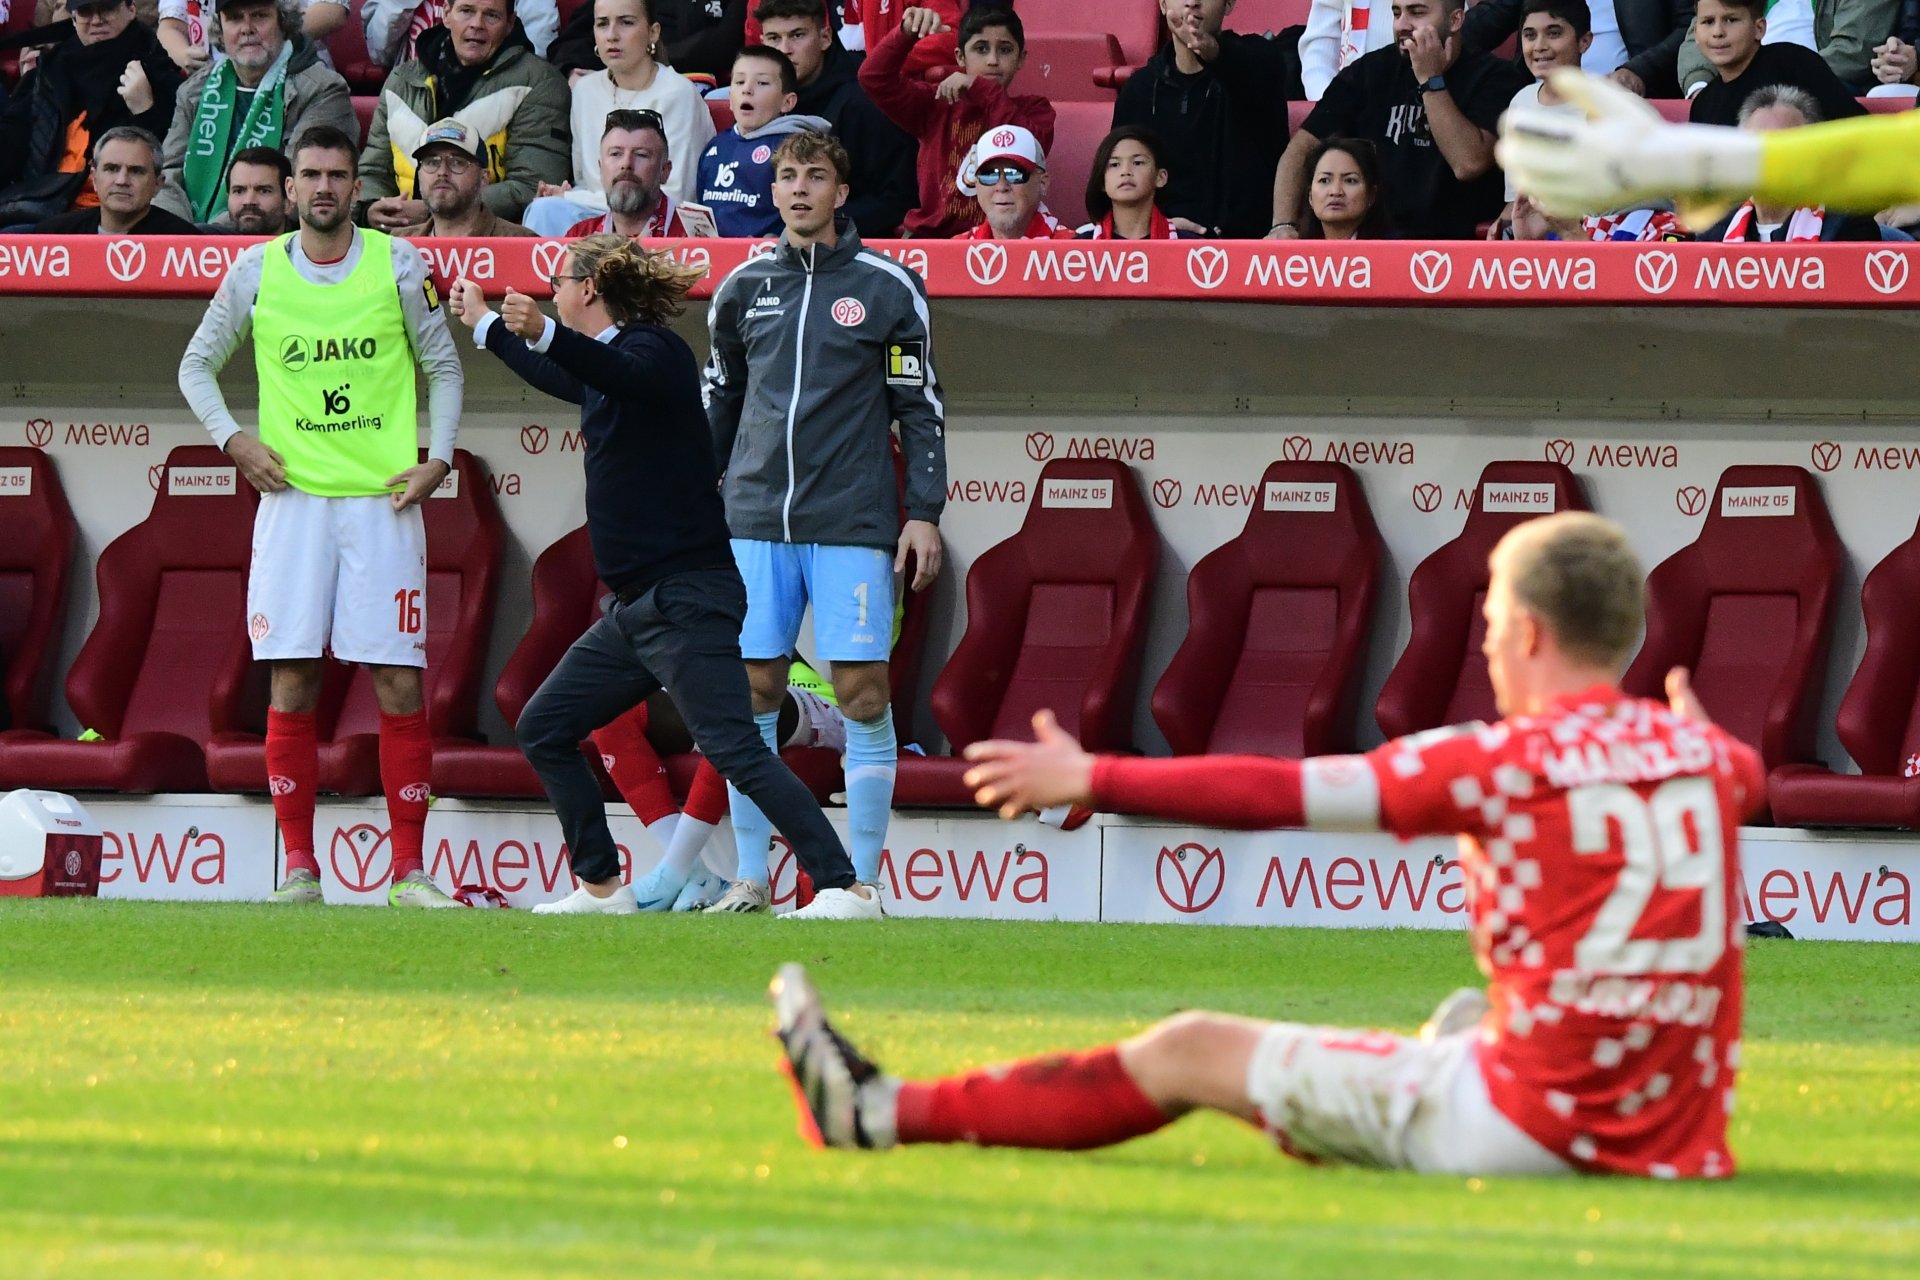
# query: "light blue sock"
{"type": "Point", "coordinates": [872, 752]}
{"type": "Point", "coordinates": [752, 832]}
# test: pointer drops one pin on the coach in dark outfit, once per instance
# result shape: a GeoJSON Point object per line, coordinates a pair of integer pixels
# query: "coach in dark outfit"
{"type": "Point", "coordinates": [660, 543]}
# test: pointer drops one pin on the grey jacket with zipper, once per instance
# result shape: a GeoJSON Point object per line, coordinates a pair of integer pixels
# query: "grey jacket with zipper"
{"type": "Point", "coordinates": [816, 352]}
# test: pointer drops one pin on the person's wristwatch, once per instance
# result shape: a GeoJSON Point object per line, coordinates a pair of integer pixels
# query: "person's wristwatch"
{"type": "Point", "coordinates": [1433, 84]}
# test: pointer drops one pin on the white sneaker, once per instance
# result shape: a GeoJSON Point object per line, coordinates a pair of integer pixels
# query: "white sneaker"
{"type": "Point", "coordinates": [742, 897]}
{"type": "Point", "coordinates": [1459, 1012]}
{"type": "Point", "coordinates": [582, 902]}
{"type": "Point", "coordinates": [841, 904]}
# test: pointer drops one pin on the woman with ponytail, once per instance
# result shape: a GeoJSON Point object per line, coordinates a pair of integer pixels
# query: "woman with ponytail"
{"type": "Point", "coordinates": [660, 543]}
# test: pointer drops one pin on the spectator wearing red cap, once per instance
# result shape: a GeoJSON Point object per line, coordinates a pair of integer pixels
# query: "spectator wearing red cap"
{"type": "Point", "coordinates": [950, 119]}
{"type": "Point", "coordinates": [1006, 172]}
{"type": "Point", "coordinates": [1124, 187]}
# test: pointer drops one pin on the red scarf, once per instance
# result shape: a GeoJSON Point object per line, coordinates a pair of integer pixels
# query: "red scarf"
{"type": "Point", "coordinates": [1158, 228]}
{"type": "Point", "coordinates": [1802, 224]}
{"type": "Point", "coordinates": [1043, 227]}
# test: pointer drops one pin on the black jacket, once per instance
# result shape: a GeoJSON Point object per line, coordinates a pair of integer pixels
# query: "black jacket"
{"type": "Point", "coordinates": [695, 36]}
{"type": "Point", "coordinates": [1222, 130]}
{"type": "Point", "coordinates": [86, 222]}
{"type": "Point", "coordinates": [1652, 30]}
{"type": "Point", "coordinates": [653, 495]}
{"type": "Point", "coordinates": [884, 185]}
{"type": "Point", "coordinates": [71, 78]}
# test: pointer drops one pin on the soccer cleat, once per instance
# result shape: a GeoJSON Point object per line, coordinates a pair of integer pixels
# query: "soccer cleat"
{"type": "Point", "coordinates": [841, 904]}
{"type": "Point", "coordinates": [583, 902]}
{"type": "Point", "coordinates": [701, 892]}
{"type": "Point", "coordinates": [300, 888]}
{"type": "Point", "coordinates": [658, 889]}
{"type": "Point", "coordinates": [1459, 1012]}
{"type": "Point", "coordinates": [843, 1098]}
{"type": "Point", "coordinates": [417, 889]}
{"type": "Point", "coordinates": [742, 897]}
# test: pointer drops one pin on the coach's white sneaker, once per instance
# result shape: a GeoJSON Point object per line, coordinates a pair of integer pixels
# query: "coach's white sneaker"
{"type": "Point", "coordinates": [583, 902]}
{"type": "Point", "coordinates": [844, 1100]}
{"type": "Point", "coordinates": [741, 898]}
{"type": "Point", "coordinates": [862, 902]}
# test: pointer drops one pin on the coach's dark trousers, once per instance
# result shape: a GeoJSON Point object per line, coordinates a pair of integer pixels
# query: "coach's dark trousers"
{"type": "Point", "coordinates": [684, 634]}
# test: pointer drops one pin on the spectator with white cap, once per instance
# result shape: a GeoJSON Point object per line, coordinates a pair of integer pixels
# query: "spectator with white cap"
{"type": "Point", "coordinates": [1007, 173]}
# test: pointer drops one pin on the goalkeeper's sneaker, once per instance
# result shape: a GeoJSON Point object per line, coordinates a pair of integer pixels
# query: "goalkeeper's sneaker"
{"type": "Point", "coordinates": [300, 888]}
{"type": "Point", "coordinates": [844, 1100]}
{"type": "Point", "coordinates": [417, 889]}
{"type": "Point", "coordinates": [701, 892]}
{"type": "Point", "coordinates": [742, 897]}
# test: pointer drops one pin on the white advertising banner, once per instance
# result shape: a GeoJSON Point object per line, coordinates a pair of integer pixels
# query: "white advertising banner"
{"type": "Point", "coordinates": [1845, 885]}
{"type": "Point", "coordinates": [186, 848]}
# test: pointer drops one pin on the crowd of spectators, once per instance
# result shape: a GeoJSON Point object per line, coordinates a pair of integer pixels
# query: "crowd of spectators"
{"type": "Point", "coordinates": [498, 118]}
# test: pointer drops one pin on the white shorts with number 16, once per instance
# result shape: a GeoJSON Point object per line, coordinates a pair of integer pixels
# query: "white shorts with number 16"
{"type": "Point", "coordinates": [345, 574]}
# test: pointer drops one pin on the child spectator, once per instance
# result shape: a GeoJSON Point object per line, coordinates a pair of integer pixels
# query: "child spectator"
{"type": "Point", "coordinates": [1553, 34]}
{"type": "Point", "coordinates": [1730, 33]}
{"type": "Point", "coordinates": [1343, 193]}
{"type": "Point", "coordinates": [1124, 187]}
{"type": "Point", "coordinates": [1006, 172]}
{"type": "Point", "coordinates": [949, 119]}
{"type": "Point", "coordinates": [626, 36]}
{"type": "Point", "coordinates": [736, 169]}
{"type": "Point", "coordinates": [1845, 33]}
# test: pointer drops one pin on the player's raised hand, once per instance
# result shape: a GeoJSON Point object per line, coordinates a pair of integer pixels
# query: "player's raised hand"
{"type": "Point", "coordinates": [467, 303]}
{"type": "Point", "coordinates": [522, 315]}
{"type": "Point", "coordinates": [1020, 777]}
{"type": "Point", "coordinates": [1681, 698]}
{"type": "Point", "coordinates": [264, 469]}
{"type": "Point", "coordinates": [416, 482]}
{"type": "Point", "coordinates": [922, 538]}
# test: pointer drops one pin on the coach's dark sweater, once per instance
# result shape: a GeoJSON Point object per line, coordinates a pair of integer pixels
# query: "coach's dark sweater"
{"type": "Point", "coordinates": [653, 497]}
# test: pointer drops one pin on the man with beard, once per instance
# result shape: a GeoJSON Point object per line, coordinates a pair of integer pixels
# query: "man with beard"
{"type": "Point", "coordinates": [126, 176]}
{"type": "Point", "coordinates": [480, 69]}
{"type": "Point", "coordinates": [269, 89]}
{"type": "Point", "coordinates": [452, 165]}
{"type": "Point", "coordinates": [257, 199]}
{"type": "Point", "coordinates": [1431, 110]}
{"type": "Point", "coordinates": [338, 318]}
{"type": "Point", "coordinates": [634, 167]}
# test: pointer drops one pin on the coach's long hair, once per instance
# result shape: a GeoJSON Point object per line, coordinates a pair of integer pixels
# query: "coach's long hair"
{"type": "Point", "coordinates": [638, 285]}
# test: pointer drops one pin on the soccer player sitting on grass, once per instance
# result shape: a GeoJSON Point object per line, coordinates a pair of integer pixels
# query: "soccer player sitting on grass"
{"type": "Point", "coordinates": [1598, 842]}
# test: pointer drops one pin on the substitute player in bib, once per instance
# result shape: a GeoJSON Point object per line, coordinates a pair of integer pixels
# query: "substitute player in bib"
{"type": "Point", "coordinates": [1598, 844]}
{"type": "Point", "coordinates": [818, 348]}
{"type": "Point", "coordinates": [339, 317]}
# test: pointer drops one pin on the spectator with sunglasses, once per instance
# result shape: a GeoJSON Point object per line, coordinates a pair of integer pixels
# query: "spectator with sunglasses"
{"type": "Point", "coordinates": [451, 164]}
{"type": "Point", "coordinates": [635, 165]}
{"type": "Point", "coordinates": [1007, 173]}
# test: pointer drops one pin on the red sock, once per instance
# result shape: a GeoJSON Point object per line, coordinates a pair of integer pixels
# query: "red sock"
{"type": "Point", "coordinates": [706, 795]}
{"type": "Point", "coordinates": [406, 763]}
{"type": "Point", "coordinates": [1061, 1102]}
{"type": "Point", "coordinates": [634, 765]}
{"type": "Point", "coordinates": [293, 764]}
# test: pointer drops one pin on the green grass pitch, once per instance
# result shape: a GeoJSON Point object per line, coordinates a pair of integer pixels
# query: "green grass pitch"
{"type": "Point", "coordinates": [349, 1094]}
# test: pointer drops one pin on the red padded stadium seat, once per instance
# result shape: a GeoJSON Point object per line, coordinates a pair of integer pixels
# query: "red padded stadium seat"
{"type": "Point", "coordinates": [1746, 607]}
{"type": "Point", "coordinates": [1879, 721]}
{"type": "Point", "coordinates": [464, 539]}
{"type": "Point", "coordinates": [166, 666]}
{"type": "Point", "coordinates": [1056, 616]}
{"type": "Point", "coordinates": [1267, 17]}
{"type": "Point", "coordinates": [1077, 130]}
{"type": "Point", "coordinates": [1135, 26]}
{"type": "Point", "coordinates": [1674, 110]}
{"type": "Point", "coordinates": [1277, 623]}
{"type": "Point", "coordinates": [37, 533]}
{"type": "Point", "coordinates": [19, 18]}
{"type": "Point", "coordinates": [351, 59]}
{"type": "Point", "coordinates": [1060, 67]}
{"type": "Point", "coordinates": [1440, 677]}
{"type": "Point", "coordinates": [1889, 106]}
{"type": "Point", "coordinates": [722, 113]}
{"type": "Point", "coordinates": [363, 109]}
{"type": "Point", "coordinates": [567, 8]}
{"type": "Point", "coordinates": [1297, 113]}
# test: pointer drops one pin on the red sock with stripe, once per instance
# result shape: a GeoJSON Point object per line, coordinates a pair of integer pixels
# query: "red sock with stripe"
{"type": "Point", "coordinates": [293, 767]}
{"type": "Point", "coordinates": [634, 766]}
{"type": "Point", "coordinates": [406, 764]}
{"type": "Point", "coordinates": [1060, 1102]}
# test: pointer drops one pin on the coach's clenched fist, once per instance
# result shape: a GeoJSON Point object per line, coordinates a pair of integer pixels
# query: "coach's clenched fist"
{"type": "Point", "coordinates": [522, 316]}
{"type": "Point", "coordinates": [468, 304]}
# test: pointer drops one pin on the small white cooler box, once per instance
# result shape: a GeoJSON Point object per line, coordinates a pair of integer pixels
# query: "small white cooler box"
{"type": "Point", "coordinates": [49, 847]}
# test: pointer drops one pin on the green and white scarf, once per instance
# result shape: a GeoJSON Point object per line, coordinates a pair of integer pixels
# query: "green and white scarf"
{"type": "Point", "coordinates": [213, 141]}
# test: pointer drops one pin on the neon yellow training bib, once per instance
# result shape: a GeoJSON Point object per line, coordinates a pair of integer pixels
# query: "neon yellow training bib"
{"type": "Point", "coordinates": [336, 373]}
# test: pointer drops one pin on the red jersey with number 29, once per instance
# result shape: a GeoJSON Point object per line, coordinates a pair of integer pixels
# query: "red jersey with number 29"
{"type": "Point", "coordinates": [1599, 846]}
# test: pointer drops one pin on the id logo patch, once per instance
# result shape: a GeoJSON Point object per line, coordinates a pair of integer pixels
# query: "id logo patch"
{"type": "Point", "coordinates": [906, 364]}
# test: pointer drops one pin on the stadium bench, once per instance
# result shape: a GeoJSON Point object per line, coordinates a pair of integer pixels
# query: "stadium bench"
{"type": "Point", "coordinates": [1440, 677]}
{"type": "Point", "coordinates": [1277, 622]}
{"type": "Point", "coordinates": [167, 663]}
{"type": "Point", "coordinates": [1056, 617]}
{"type": "Point", "coordinates": [37, 535]}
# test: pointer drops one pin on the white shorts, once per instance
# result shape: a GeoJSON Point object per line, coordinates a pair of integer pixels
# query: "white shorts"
{"type": "Point", "coordinates": [1388, 1102]}
{"type": "Point", "coordinates": [346, 574]}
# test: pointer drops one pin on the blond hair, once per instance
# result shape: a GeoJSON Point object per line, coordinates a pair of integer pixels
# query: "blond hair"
{"type": "Point", "coordinates": [1577, 573]}
{"type": "Point", "coordinates": [638, 285]}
